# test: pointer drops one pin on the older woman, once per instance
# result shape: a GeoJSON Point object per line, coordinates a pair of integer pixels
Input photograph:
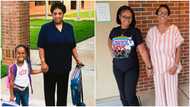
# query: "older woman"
{"type": "Point", "coordinates": [163, 41]}
{"type": "Point", "coordinates": [56, 44]}
{"type": "Point", "coordinates": [123, 41]}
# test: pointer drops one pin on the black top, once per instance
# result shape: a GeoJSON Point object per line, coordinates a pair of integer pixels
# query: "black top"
{"type": "Point", "coordinates": [58, 46]}
{"type": "Point", "coordinates": [124, 44]}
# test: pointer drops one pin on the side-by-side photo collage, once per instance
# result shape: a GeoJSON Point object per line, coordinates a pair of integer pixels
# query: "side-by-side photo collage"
{"type": "Point", "coordinates": [94, 53]}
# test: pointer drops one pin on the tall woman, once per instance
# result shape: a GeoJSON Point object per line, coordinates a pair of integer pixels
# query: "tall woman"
{"type": "Point", "coordinates": [124, 41]}
{"type": "Point", "coordinates": [164, 41]}
{"type": "Point", "coordinates": [57, 45]}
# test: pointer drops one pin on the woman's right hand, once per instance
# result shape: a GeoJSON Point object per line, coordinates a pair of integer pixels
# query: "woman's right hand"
{"type": "Point", "coordinates": [12, 98]}
{"type": "Point", "coordinates": [149, 73]}
{"type": "Point", "coordinates": [44, 67]}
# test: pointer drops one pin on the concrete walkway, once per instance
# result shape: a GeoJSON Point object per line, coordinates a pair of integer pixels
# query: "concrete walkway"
{"type": "Point", "coordinates": [86, 52]}
{"type": "Point", "coordinates": [148, 98]}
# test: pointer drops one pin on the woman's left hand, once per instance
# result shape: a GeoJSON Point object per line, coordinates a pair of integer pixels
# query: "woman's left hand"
{"type": "Point", "coordinates": [172, 70]}
{"type": "Point", "coordinates": [79, 63]}
{"type": "Point", "coordinates": [149, 73]}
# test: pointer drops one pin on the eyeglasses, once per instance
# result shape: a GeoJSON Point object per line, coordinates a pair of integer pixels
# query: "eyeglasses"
{"type": "Point", "coordinates": [57, 13]}
{"type": "Point", "coordinates": [163, 14]}
{"type": "Point", "coordinates": [126, 17]}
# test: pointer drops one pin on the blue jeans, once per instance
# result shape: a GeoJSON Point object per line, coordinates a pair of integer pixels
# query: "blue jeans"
{"type": "Point", "coordinates": [22, 97]}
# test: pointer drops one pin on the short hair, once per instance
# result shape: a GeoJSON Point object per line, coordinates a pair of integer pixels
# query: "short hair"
{"type": "Point", "coordinates": [124, 8]}
{"type": "Point", "coordinates": [59, 5]}
{"type": "Point", "coordinates": [164, 6]}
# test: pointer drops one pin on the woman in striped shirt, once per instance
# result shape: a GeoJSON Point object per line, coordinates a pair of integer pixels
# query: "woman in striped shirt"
{"type": "Point", "coordinates": [164, 42]}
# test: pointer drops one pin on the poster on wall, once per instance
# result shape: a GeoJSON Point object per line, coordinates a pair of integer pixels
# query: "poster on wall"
{"type": "Point", "coordinates": [103, 12]}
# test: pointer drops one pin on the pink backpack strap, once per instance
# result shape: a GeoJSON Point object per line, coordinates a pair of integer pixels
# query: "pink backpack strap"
{"type": "Point", "coordinates": [11, 69]}
{"type": "Point", "coordinates": [8, 75]}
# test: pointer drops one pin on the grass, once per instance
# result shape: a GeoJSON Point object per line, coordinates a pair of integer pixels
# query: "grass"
{"type": "Point", "coordinates": [3, 70]}
{"type": "Point", "coordinates": [83, 29]}
{"type": "Point", "coordinates": [82, 14]}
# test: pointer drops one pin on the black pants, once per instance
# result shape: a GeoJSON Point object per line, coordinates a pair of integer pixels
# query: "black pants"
{"type": "Point", "coordinates": [51, 79]}
{"type": "Point", "coordinates": [127, 82]}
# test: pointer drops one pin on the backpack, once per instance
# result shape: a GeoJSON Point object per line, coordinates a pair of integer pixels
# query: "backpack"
{"type": "Point", "coordinates": [13, 68]}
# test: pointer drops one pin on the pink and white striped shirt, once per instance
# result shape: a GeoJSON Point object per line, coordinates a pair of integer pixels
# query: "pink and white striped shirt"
{"type": "Point", "coordinates": [162, 47]}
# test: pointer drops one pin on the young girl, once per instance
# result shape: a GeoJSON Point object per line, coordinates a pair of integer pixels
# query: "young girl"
{"type": "Point", "coordinates": [124, 41]}
{"type": "Point", "coordinates": [20, 76]}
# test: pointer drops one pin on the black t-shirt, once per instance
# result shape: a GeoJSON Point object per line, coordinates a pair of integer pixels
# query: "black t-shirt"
{"type": "Point", "coordinates": [124, 44]}
{"type": "Point", "coordinates": [58, 46]}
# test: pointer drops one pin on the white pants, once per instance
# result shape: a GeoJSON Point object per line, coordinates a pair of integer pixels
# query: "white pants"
{"type": "Point", "coordinates": [166, 89]}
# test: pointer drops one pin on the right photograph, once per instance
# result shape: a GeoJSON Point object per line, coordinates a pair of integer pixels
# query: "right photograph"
{"type": "Point", "coordinates": [142, 53]}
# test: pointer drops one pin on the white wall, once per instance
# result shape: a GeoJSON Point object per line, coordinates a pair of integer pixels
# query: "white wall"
{"type": "Point", "coordinates": [105, 81]}
{"type": "Point", "coordinates": [0, 26]}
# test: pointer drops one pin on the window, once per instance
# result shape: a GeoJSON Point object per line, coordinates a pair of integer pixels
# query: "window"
{"type": "Point", "coordinates": [73, 4]}
{"type": "Point", "coordinates": [52, 2]}
{"type": "Point", "coordinates": [82, 4]}
{"type": "Point", "coordinates": [39, 3]}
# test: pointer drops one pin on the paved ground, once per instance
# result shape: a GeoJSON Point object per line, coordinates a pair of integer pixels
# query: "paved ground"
{"type": "Point", "coordinates": [147, 99]}
{"type": "Point", "coordinates": [86, 52]}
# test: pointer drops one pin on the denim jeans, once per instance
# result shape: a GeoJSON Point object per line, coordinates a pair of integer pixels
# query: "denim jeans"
{"type": "Point", "coordinates": [126, 82]}
{"type": "Point", "coordinates": [22, 97]}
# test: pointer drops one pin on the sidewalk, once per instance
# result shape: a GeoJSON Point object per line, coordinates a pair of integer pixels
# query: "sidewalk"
{"type": "Point", "coordinates": [148, 98]}
{"type": "Point", "coordinates": [86, 52]}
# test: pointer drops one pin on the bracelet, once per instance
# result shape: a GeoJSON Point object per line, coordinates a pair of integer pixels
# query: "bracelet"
{"type": "Point", "coordinates": [149, 67]}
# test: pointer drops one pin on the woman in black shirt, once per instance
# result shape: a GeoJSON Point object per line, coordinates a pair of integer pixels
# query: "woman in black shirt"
{"type": "Point", "coordinates": [123, 41]}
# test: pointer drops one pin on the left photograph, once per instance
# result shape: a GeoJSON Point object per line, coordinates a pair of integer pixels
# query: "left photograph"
{"type": "Point", "coordinates": [47, 53]}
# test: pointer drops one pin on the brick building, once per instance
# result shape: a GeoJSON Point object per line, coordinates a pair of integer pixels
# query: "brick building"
{"type": "Point", "coordinates": [37, 8]}
{"type": "Point", "coordinates": [15, 22]}
{"type": "Point", "coordinates": [145, 16]}
{"type": "Point", "coordinates": [179, 16]}
{"type": "Point", "coordinates": [14, 27]}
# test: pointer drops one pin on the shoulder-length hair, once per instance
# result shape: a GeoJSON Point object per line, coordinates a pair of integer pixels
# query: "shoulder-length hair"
{"type": "Point", "coordinates": [122, 9]}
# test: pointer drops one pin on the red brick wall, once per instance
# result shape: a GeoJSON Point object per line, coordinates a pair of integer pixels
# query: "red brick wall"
{"type": "Point", "coordinates": [15, 27]}
{"type": "Point", "coordinates": [145, 16]}
{"type": "Point", "coordinates": [40, 10]}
